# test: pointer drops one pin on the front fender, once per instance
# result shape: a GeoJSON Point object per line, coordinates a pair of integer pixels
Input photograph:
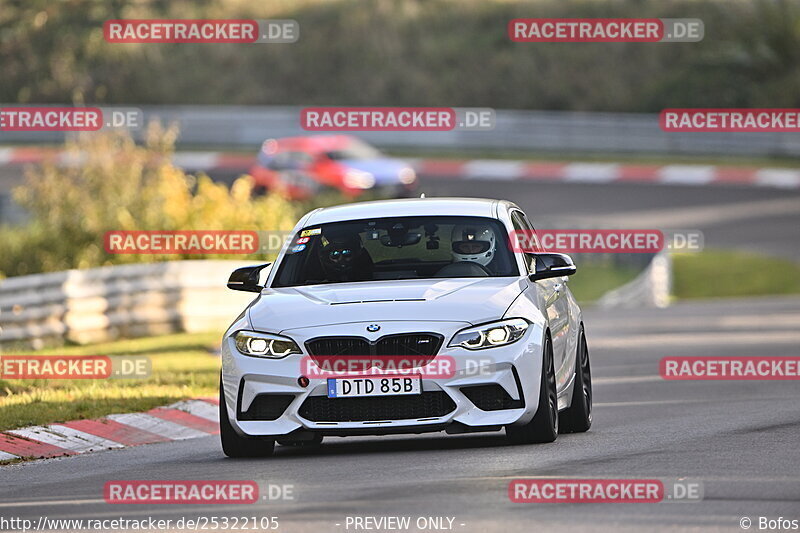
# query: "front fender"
{"type": "Point", "coordinates": [528, 306]}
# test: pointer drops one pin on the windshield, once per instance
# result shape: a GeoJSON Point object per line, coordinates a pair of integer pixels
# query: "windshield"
{"type": "Point", "coordinates": [355, 150]}
{"type": "Point", "coordinates": [397, 248]}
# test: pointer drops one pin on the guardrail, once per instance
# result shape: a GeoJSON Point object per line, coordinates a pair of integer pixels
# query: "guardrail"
{"type": "Point", "coordinates": [516, 130]}
{"type": "Point", "coordinates": [651, 288]}
{"type": "Point", "coordinates": [106, 303]}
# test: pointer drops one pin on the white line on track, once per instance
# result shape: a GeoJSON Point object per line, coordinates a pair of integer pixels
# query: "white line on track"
{"type": "Point", "coordinates": [48, 502]}
{"type": "Point", "coordinates": [693, 216]}
{"type": "Point", "coordinates": [626, 379]}
{"type": "Point", "coordinates": [728, 338]}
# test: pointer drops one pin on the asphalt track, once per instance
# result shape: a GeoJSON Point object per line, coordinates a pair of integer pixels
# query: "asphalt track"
{"type": "Point", "coordinates": [738, 439]}
{"type": "Point", "coordinates": [731, 217]}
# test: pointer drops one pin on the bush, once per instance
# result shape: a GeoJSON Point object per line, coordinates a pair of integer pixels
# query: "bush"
{"type": "Point", "coordinates": [121, 186]}
{"type": "Point", "coordinates": [406, 52]}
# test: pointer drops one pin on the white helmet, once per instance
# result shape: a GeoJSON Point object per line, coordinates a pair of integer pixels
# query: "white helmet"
{"type": "Point", "coordinates": [474, 243]}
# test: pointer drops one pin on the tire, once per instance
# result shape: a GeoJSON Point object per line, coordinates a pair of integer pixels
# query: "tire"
{"type": "Point", "coordinates": [578, 417]}
{"type": "Point", "coordinates": [544, 425]}
{"type": "Point", "coordinates": [259, 190]}
{"type": "Point", "coordinates": [233, 444]}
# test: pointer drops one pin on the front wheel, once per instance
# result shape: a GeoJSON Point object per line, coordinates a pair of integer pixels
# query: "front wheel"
{"type": "Point", "coordinates": [544, 426]}
{"type": "Point", "coordinates": [578, 418]}
{"type": "Point", "coordinates": [233, 444]}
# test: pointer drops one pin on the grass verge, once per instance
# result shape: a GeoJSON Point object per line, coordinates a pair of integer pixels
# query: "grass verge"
{"type": "Point", "coordinates": [183, 366]}
{"type": "Point", "coordinates": [721, 274]}
{"type": "Point", "coordinates": [593, 280]}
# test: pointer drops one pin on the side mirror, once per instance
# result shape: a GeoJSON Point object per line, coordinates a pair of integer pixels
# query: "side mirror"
{"type": "Point", "coordinates": [247, 278]}
{"type": "Point", "coordinates": [552, 266]}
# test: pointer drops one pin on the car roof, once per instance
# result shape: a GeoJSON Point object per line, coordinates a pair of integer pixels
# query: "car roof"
{"type": "Point", "coordinates": [480, 207]}
{"type": "Point", "coordinates": [314, 142]}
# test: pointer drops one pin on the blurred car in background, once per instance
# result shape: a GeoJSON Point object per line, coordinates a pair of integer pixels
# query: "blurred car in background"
{"type": "Point", "coordinates": [302, 166]}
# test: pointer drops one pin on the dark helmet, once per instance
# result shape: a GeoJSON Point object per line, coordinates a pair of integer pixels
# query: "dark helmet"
{"type": "Point", "coordinates": [338, 254]}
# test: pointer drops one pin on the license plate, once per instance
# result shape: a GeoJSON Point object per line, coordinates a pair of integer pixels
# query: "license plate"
{"type": "Point", "coordinates": [373, 386]}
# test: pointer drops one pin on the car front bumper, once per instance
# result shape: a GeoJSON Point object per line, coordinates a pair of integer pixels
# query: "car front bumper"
{"type": "Point", "coordinates": [516, 368]}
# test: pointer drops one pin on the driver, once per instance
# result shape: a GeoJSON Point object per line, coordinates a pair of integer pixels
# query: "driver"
{"type": "Point", "coordinates": [473, 243]}
{"type": "Point", "coordinates": [344, 258]}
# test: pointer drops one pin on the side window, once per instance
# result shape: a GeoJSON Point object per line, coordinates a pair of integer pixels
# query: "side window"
{"type": "Point", "coordinates": [289, 161]}
{"type": "Point", "coordinates": [521, 225]}
{"type": "Point", "coordinates": [279, 161]}
{"type": "Point", "coordinates": [528, 225]}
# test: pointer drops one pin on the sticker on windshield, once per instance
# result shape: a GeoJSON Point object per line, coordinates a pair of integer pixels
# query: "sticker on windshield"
{"type": "Point", "coordinates": [310, 232]}
{"type": "Point", "coordinates": [302, 240]}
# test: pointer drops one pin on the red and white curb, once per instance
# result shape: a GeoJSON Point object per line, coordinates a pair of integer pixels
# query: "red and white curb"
{"type": "Point", "coordinates": [485, 169]}
{"type": "Point", "coordinates": [183, 420]}
{"type": "Point", "coordinates": [488, 169]}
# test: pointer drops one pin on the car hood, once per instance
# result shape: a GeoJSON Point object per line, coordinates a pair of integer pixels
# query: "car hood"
{"type": "Point", "coordinates": [384, 170]}
{"type": "Point", "coordinates": [470, 300]}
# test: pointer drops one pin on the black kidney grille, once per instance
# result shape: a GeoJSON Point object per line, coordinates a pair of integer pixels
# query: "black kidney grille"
{"type": "Point", "coordinates": [425, 405]}
{"type": "Point", "coordinates": [422, 344]}
{"type": "Point", "coordinates": [338, 346]}
{"type": "Point", "coordinates": [409, 344]}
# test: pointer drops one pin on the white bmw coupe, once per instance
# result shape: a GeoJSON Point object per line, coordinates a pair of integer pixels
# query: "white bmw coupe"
{"type": "Point", "coordinates": [405, 316]}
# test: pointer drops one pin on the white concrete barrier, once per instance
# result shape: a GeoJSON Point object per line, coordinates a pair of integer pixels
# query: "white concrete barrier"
{"type": "Point", "coordinates": [651, 288]}
{"type": "Point", "coordinates": [106, 303]}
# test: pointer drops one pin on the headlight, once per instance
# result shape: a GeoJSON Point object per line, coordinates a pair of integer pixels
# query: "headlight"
{"type": "Point", "coordinates": [358, 179]}
{"type": "Point", "coordinates": [490, 335]}
{"type": "Point", "coordinates": [407, 176]}
{"type": "Point", "coordinates": [257, 344]}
